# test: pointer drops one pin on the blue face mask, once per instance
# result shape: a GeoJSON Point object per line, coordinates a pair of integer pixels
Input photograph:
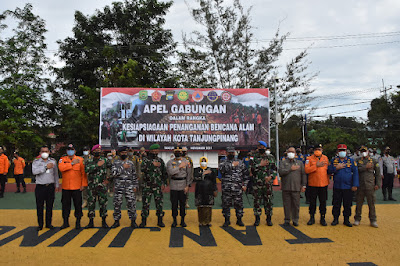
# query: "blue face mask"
{"type": "Point", "coordinates": [342, 154]}
{"type": "Point", "coordinates": [70, 152]}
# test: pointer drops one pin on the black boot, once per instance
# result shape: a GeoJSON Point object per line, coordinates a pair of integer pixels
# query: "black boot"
{"type": "Point", "coordinates": [91, 224]}
{"type": "Point", "coordinates": [312, 220]}
{"type": "Point", "coordinates": [18, 191]}
{"type": "Point", "coordinates": [257, 222]}
{"type": "Point", "coordinates": [322, 220]}
{"type": "Point", "coordinates": [239, 221]}
{"type": "Point", "coordinates": [183, 224]}
{"type": "Point", "coordinates": [1, 195]}
{"type": "Point", "coordinates": [65, 224]}
{"type": "Point", "coordinates": [390, 195]}
{"type": "Point", "coordinates": [347, 222]}
{"type": "Point", "coordinates": [104, 223]}
{"type": "Point", "coordinates": [269, 222]}
{"type": "Point", "coordinates": [335, 221]}
{"type": "Point", "coordinates": [160, 221]}
{"type": "Point", "coordinates": [174, 223]}
{"type": "Point", "coordinates": [50, 227]}
{"type": "Point", "coordinates": [227, 221]}
{"type": "Point", "coordinates": [78, 223]}
{"type": "Point", "coordinates": [144, 221]}
{"type": "Point", "coordinates": [133, 223]}
{"type": "Point", "coordinates": [115, 224]}
{"type": "Point", "coordinates": [384, 192]}
{"type": "Point", "coordinates": [24, 190]}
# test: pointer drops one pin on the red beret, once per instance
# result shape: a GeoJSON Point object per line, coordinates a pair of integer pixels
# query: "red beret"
{"type": "Point", "coordinates": [96, 147]}
{"type": "Point", "coordinates": [342, 147]}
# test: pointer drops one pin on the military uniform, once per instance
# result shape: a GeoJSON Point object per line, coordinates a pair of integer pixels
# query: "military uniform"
{"type": "Point", "coordinates": [187, 157]}
{"type": "Point", "coordinates": [96, 189]}
{"type": "Point", "coordinates": [85, 189]}
{"type": "Point", "coordinates": [233, 178]}
{"type": "Point", "coordinates": [125, 181]}
{"type": "Point", "coordinates": [368, 178]}
{"type": "Point", "coordinates": [262, 190]}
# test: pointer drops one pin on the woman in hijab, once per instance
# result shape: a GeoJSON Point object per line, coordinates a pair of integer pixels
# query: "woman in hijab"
{"type": "Point", "coordinates": [206, 190]}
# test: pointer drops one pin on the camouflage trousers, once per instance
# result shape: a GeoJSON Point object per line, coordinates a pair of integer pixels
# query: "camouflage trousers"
{"type": "Point", "coordinates": [121, 188]}
{"type": "Point", "coordinates": [147, 193]}
{"type": "Point", "coordinates": [97, 192]}
{"type": "Point", "coordinates": [263, 195]}
{"type": "Point", "coordinates": [232, 198]}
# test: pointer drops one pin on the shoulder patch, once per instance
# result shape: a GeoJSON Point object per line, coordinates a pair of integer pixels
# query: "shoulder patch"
{"type": "Point", "coordinates": [307, 161]}
{"type": "Point", "coordinates": [60, 161]}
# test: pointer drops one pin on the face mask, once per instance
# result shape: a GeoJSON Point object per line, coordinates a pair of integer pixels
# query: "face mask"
{"type": "Point", "coordinates": [96, 154]}
{"type": "Point", "coordinates": [123, 157]}
{"type": "Point", "coordinates": [86, 153]}
{"type": "Point", "coordinates": [268, 152]}
{"type": "Point", "coordinates": [177, 154]}
{"type": "Point", "coordinates": [184, 153]}
{"type": "Point", "coordinates": [155, 155]}
{"type": "Point", "coordinates": [290, 155]}
{"type": "Point", "coordinates": [365, 154]}
{"type": "Point", "coordinates": [318, 153]}
{"type": "Point", "coordinates": [203, 164]}
{"type": "Point", "coordinates": [70, 152]}
{"type": "Point", "coordinates": [45, 155]}
{"type": "Point", "coordinates": [231, 156]}
{"type": "Point", "coordinates": [342, 154]}
{"type": "Point", "coordinates": [261, 151]}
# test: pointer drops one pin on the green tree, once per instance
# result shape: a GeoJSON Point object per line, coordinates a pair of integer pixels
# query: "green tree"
{"type": "Point", "coordinates": [24, 99]}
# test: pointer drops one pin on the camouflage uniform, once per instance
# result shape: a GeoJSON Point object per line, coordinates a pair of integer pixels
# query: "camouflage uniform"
{"type": "Point", "coordinates": [125, 181]}
{"type": "Point", "coordinates": [153, 178]}
{"type": "Point", "coordinates": [232, 181]}
{"type": "Point", "coordinates": [96, 189]}
{"type": "Point", "coordinates": [262, 190]}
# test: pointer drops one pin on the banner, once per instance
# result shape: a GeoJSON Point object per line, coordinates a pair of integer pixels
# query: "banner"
{"type": "Point", "coordinates": [201, 119]}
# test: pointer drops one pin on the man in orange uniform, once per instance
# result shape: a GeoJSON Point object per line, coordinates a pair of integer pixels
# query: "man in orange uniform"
{"type": "Point", "coordinates": [19, 165]}
{"type": "Point", "coordinates": [4, 165]}
{"type": "Point", "coordinates": [318, 180]}
{"type": "Point", "coordinates": [73, 182]}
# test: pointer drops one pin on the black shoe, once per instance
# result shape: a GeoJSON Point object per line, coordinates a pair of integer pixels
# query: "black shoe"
{"type": "Point", "coordinates": [39, 228]}
{"type": "Point", "coordinates": [392, 199]}
{"type": "Point", "coordinates": [90, 225]}
{"type": "Point", "coordinates": [50, 227]}
{"type": "Point", "coordinates": [257, 222]}
{"type": "Point", "coordinates": [286, 223]}
{"type": "Point", "coordinates": [174, 223]}
{"type": "Point", "coordinates": [295, 224]}
{"type": "Point", "coordinates": [65, 224]}
{"type": "Point", "coordinates": [269, 222]}
{"type": "Point", "coordinates": [160, 222]}
{"type": "Point", "coordinates": [335, 221]}
{"type": "Point", "coordinates": [347, 222]}
{"type": "Point", "coordinates": [133, 223]}
{"type": "Point", "coordinates": [239, 221]}
{"type": "Point", "coordinates": [143, 224]}
{"type": "Point", "coordinates": [183, 224]}
{"type": "Point", "coordinates": [322, 221]}
{"type": "Point", "coordinates": [104, 223]}
{"type": "Point", "coordinates": [18, 191]}
{"type": "Point", "coordinates": [311, 221]}
{"type": "Point", "coordinates": [78, 223]}
{"type": "Point", "coordinates": [115, 224]}
{"type": "Point", "coordinates": [24, 190]}
{"type": "Point", "coordinates": [1, 195]}
{"type": "Point", "coordinates": [227, 221]}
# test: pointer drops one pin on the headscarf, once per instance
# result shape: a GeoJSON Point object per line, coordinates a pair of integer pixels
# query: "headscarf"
{"type": "Point", "coordinates": [201, 160]}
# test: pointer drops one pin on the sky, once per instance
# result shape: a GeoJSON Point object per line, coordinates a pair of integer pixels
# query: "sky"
{"type": "Point", "coordinates": [353, 44]}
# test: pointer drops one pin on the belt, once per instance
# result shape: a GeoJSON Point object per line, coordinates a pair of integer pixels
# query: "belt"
{"type": "Point", "coordinates": [45, 185]}
{"type": "Point", "coordinates": [178, 178]}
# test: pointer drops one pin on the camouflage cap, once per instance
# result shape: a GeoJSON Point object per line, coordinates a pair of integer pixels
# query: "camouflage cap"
{"type": "Point", "coordinates": [363, 148]}
{"type": "Point", "coordinates": [142, 149]}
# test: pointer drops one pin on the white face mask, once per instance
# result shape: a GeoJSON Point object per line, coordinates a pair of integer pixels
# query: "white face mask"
{"type": "Point", "coordinates": [365, 154]}
{"type": "Point", "coordinates": [342, 154]}
{"type": "Point", "coordinates": [109, 157]}
{"type": "Point", "coordinates": [268, 152]}
{"type": "Point", "coordinates": [45, 155]}
{"type": "Point", "coordinates": [290, 155]}
{"type": "Point", "coordinates": [85, 152]}
{"type": "Point", "coordinates": [203, 164]}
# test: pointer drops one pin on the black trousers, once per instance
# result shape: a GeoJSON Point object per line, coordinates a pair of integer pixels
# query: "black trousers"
{"type": "Point", "coordinates": [2, 183]}
{"type": "Point", "coordinates": [67, 197]}
{"type": "Point", "coordinates": [178, 196]}
{"type": "Point", "coordinates": [322, 194]}
{"type": "Point", "coordinates": [44, 193]}
{"type": "Point", "coordinates": [340, 196]}
{"type": "Point", "coordinates": [387, 182]}
{"type": "Point", "coordinates": [19, 179]}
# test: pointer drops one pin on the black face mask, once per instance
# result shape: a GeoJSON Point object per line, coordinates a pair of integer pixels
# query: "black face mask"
{"type": "Point", "coordinates": [123, 157]}
{"type": "Point", "coordinates": [153, 155]}
{"type": "Point", "coordinates": [262, 151]}
{"type": "Point", "coordinates": [184, 153]}
{"type": "Point", "coordinates": [96, 154]}
{"type": "Point", "coordinates": [177, 154]}
{"type": "Point", "coordinates": [231, 156]}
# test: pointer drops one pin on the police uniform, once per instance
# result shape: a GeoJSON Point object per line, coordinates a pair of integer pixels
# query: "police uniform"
{"type": "Point", "coordinates": [233, 179]}
{"type": "Point", "coordinates": [388, 171]}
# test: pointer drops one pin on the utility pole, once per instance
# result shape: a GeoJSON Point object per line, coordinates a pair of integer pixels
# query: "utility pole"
{"type": "Point", "coordinates": [384, 90]}
{"type": "Point", "coordinates": [276, 123]}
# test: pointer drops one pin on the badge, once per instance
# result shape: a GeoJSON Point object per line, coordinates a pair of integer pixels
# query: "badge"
{"type": "Point", "coordinates": [156, 96]}
{"type": "Point", "coordinates": [212, 96]}
{"type": "Point", "coordinates": [197, 96]}
{"type": "Point", "coordinates": [169, 96]}
{"type": "Point", "coordinates": [226, 96]}
{"type": "Point", "coordinates": [143, 95]}
{"type": "Point", "coordinates": [183, 95]}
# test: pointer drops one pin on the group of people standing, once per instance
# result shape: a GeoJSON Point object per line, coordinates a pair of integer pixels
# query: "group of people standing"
{"type": "Point", "coordinates": [19, 165]}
